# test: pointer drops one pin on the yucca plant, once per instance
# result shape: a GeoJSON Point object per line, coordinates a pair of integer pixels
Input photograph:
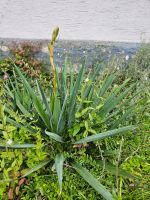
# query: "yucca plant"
{"type": "Point", "coordinates": [74, 97]}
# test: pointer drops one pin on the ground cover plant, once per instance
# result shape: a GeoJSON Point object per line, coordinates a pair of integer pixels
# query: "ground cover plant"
{"type": "Point", "coordinates": [65, 130]}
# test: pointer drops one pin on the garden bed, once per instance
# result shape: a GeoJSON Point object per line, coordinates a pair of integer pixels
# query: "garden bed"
{"type": "Point", "coordinates": [74, 134]}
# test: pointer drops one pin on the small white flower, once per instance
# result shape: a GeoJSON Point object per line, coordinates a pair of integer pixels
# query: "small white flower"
{"type": "Point", "coordinates": [127, 57]}
{"type": "Point", "coordinates": [4, 48]}
{"type": "Point", "coordinates": [86, 80]}
{"type": "Point", "coordinates": [9, 142]}
{"type": "Point", "coordinates": [146, 78]}
{"type": "Point", "coordinates": [84, 52]}
{"type": "Point", "coordinates": [31, 118]}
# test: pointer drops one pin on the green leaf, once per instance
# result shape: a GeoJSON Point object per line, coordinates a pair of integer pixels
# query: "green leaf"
{"type": "Point", "coordinates": [113, 101]}
{"type": "Point", "coordinates": [71, 78]}
{"type": "Point", "coordinates": [107, 83]}
{"type": "Point", "coordinates": [19, 125]}
{"type": "Point", "coordinates": [37, 167]}
{"type": "Point", "coordinates": [74, 95]}
{"type": "Point", "coordinates": [61, 113]}
{"type": "Point", "coordinates": [20, 106]}
{"type": "Point", "coordinates": [112, 169]}
{"type": "Point", "coordinates": [106, 134]}
{"type": "Point", "coordinates": [59, 161]}
{"type": "Point", "coordinates": [54, 136]}
{"type": "Point", "coordinates": [7, 180]}
{"type": "Point", "coordinates": [89, 88]}
{"type": "Point", "coordinates": [91, 180]}
{"type": "Point", "coordinates": [17, 146]}
{"type": "Point", "coordinates": [83, 112]}
{"type": "Point", "coordinates": [36, 101]}
{"type": "Point", "coordinates": [56, 110]}
{"type": "Point", "coordinates": [45, 102]}
{"type": "Point", "coordinates": [9, 92]}
{"type": "Point", "coordinates": [128, 112]}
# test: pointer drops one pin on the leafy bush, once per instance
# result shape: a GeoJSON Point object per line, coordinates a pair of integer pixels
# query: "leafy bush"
{"type": "Point", "coordinates": [23, 56]}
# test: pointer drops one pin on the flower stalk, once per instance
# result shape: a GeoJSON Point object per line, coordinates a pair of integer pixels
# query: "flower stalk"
{"type": "Point", "coordinates": [51, 54]}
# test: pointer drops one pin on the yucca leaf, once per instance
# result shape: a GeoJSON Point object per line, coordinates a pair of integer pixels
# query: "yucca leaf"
{"type": "Point", "coordinates": [61, 114]}
{"type": "Point", "coordinates": [20, 125]}
{"type": "Point", "coordinates": [121, 97]}
{"type": "Point", "coordinates": [123, 117]}
{"type": "Point", "coordinates": [111, 103]}
{"type": "Point", "coordinates": [37, 167]}
{"type": "Point", "coordinates": [56, 110]}
{"type": "Point", "coordinates": [9, 92]}
{"type": "Point", "coordinates": [20, 106]}
{"type": "Point", "coordinates": [116, 91]}
{"type": "Point", "coordinates": [107, 83]}
{"type": "Point", "coordinates": [74, 95]}
{"type": "Point", "coordinates": [18, 146]}
{"type": "Point", "coordinates": [12, 85]}
{"type": "Point", "coordinates": [61, 85]}
{"type": "Point", "coordinates": [36, 101]}
{"type": "Point", "coordinates": [105, 86]}
{"type": "Point", "coordinates": [63, 81]}
{"type": "Point", "coordinates": [54, 136]}
{"type": "Point", "coordinates": [126, 102]}
{"type": "Point", "coordinates": [45, 102]}
{"type": "Point", "coordinates": [59, 161]}
{"type": "Point", "coordinates": [16, 98]}
{"type": "Point", "coordinates": [91, 180]}
{"type": "Point", "coordinates": [118, 110]}
{"type": "Point", "coordinates": [88, 89]}
{"type": "Point", "coordinates": [106, 134]}
{"type": "Point", "coordinates": [65, 70]}
{"type": "Point", "coordinates": [71, 75]}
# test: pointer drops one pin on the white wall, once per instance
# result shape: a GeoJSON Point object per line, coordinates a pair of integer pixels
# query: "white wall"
{"type": "Point", "coordinates": [104, 20]}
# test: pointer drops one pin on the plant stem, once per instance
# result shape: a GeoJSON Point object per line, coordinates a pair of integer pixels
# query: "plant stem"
{"type": "Point", "coordinates": [117, 166]}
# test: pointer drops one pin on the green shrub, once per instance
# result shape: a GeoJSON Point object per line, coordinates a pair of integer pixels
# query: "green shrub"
{"type": "Point", "coordinates": [23, 56]}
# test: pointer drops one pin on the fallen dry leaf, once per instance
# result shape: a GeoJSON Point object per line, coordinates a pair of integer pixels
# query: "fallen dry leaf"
{"type": "Point", "coordinates": [17, 190]}
{"type": "Point", "coordinates": [10, 194]}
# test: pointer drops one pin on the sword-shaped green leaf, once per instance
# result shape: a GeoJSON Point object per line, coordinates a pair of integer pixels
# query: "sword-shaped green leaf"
{"type": "Point", "coordinates": [37, 167]}
{"type": "Point", "coordinates": [54, 136]}
{"type": "Point", "coordinates": [91, 180]}
{"type": "Point", "coordinates": [106, 134]}
{"type": "Point", "coordinates": [18, 146]}
{"type": "Point", "coordinates": [74, 95]}
{"type": "Point", "coordinates": [36, 101]}
{"type": "Point", "coordinates": [59, 161]}
{"type": "Point", "coordinates": [45, 102]}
